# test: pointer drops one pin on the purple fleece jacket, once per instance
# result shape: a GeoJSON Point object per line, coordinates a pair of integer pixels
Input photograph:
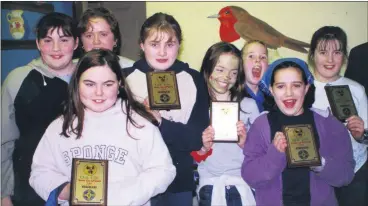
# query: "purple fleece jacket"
{"type": "Point", "coordinates": [263, 164]}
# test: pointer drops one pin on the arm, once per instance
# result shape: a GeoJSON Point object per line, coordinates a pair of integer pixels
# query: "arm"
{"type": "Point", "coordinates": [9, 133]}
{"type": "Point", "coordinates": [187, 137]}
{"type": "Point", "coordinates": [363, 113]}
{"type": "Point", "coordinates": [46, 173]}
{"type": "Point", "coordinates": [157, 173]}
{"type": "Point", "coordinates": [207, 140]}
{"type": "Point", "coordinates": [201, 155]}
{"type": "Point", "coordinates": [362, 109]}
{"type": "Point", "coordinates": [339, 163]}
{"type": "Point", "coordinates": [254, 112]}
{"type": "Point", "coordinates": [357, 124]}
{"type": "Point", "coordinates": [262, 161]}
{"type": "Point", "coordinates": [248, 113]}
{"type": "Point", "coordinates": [43, 104]}
{"type": "Point", "coordinates": [364, 139]}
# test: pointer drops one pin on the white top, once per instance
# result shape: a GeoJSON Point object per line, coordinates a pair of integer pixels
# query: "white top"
{"type": "Point", "coordinates": [226, 159]}
{"type": "Point", "coordinates": [139, 167]}
{"type": "Point", "coordinates": [137, 81]}
{"type": "Point", "coordinates": [360, 101]}
{"type": "Point", "coordinates": [125, 62]}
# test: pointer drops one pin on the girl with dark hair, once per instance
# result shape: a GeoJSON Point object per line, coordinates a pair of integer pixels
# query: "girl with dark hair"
{"type": "Point", "coordinates": [98, 28]}
{"type": "Point", "coordinates": [327, 55]}
{"type": "Point", "coordinates": [31, 99]}
{"type": "Point", "coordinates": [103, 121]}
{"type": "Point", "coordinates": [265, 168]}
{"type": "Point", "coordinates": [181, 129]}
{"type": "Point", "coordinates": [220, 181]}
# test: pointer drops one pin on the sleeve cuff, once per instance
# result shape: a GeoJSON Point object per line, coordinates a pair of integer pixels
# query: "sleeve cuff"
{"type": "Point", "coordinates": [364, 139]}
{"type": "Point", "coordinates": [53, 198]}
{"type": "Point", "coordinates": [319, 168]}
{"type": "Point", "coordinates": [199, 158]}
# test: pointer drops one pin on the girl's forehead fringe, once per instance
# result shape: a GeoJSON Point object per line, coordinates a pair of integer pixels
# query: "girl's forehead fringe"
{"type": "Point", "coordinates": [324, 43]}
{"type": "Point", "coordinates": [159, 33]}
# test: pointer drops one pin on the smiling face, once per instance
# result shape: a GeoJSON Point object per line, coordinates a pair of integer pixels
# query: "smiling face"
{"type": "Point", "coordinates": [255, 63]}
{"type": "Point", "coordinates": [289, 91]}
{"type": "Point", "coordinates": [160, 49]}
{"type": "Point", "coordinates": [57, 49]}
{"type": "Point", "coordinates": [328, 60]}
{"type": "Point", "coordinates": [98, 35]}
{"type": "Point", "coordinates": [98, 88]}
{"type": "Point", "coordinates": [224, 75]}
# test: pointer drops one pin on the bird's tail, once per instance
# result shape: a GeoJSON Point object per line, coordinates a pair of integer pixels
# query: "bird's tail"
{"type": "Point", "coordinates": [295, 45]}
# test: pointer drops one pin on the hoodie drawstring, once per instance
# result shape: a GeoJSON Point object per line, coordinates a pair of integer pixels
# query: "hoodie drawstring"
{"type": "Point", "coordinates": [44, 82]}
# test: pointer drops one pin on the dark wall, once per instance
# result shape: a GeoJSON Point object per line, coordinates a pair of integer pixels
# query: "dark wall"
{"type": "Point", "coordinates": [18, 52]}
{"type": "Point", "coordinates": [15, 53]}
{"type": "Point", "coordinates": [130, 16]}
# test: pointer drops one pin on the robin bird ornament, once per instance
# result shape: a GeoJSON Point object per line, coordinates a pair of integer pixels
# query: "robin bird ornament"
{"type": "Point", "coordinates": [237, 22]}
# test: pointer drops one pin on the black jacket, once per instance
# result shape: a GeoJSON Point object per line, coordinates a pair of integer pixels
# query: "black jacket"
{"type": "Point", "coordinates": [357, 69]}
{"type": "Point", "coordinates": [37, 103]}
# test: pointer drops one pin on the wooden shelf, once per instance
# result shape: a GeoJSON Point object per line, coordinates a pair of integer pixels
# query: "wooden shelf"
{"type": "Point", "coordinates": [29, 6]}
{"type": "Point", "coordinates": [39, 7]}
{"type": "Point", "coordinates": [18, 44]}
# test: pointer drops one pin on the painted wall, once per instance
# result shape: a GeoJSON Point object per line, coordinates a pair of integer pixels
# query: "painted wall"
{"type": "Point", "coordinates": [298, 20]}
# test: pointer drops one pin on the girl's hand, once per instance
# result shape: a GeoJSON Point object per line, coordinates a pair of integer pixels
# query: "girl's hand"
{"type": "Point", "coordinates": [207, 137]}
{"type": "Point", "coordinates": [241, 133]}
{"type": "Point", "coordinates": [65, 193]}
{"type": "Point", "coordinates": [279, 141]}
{"type": "Point", "coordinates": [146, 103]}
{"type": "Point", "coordinates": [155, 113]}
{"type": "Point", "coordinates": [355, 126]}
{"type": "Point", "coordinates": [6, 201]}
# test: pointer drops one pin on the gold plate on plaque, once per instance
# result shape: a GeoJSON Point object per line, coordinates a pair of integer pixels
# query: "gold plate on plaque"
{"type": "Point", "coordinates": [301, 146]}
{"type": "Point", "coordinates": [89, 182]}
{"type": "Point", "coordinates": [163, 91]}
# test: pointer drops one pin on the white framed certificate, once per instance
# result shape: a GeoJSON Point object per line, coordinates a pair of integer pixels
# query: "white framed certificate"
{"type": "Point", "coordinates": [224, 115]}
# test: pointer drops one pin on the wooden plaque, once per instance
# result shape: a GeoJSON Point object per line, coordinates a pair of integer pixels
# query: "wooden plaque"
{"type": "Point", "coordinates": [89, 182]}
{"type": "Point", "coordinates": [224, 116]}
{"type": "Point", "coordinates": [163, 93]}
{"type": "Point", "coordinates": [301, 146]}
{"type": "Point", "coordinates": [341, 102]}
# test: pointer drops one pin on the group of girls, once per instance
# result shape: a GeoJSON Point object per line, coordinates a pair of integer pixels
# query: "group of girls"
{"type": "Point", "coordinates": [100, 111]}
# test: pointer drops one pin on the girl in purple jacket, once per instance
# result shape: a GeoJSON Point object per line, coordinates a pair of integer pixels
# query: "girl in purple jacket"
{"type": "Point", "coordinates": [265, 165]}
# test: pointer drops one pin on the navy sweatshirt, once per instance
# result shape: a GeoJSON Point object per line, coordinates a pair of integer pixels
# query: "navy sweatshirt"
{"type": "Point", "coordinates": [181, 129]}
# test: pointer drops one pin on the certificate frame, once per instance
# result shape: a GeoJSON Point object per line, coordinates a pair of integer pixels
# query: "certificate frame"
{"type": "Point", "coordinates": [301, 148]}
{"type": "Point", "coordinates": [163, 93]}
{"type": "Point", "coordinates": [89, 182]}
{"type": "Point", "coordinates": [223, 118]}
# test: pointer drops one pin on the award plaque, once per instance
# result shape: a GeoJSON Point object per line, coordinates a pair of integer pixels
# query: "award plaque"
{"type": "Point", "coordinates": [89, 182]}
{"type": "Point", "coordinates": [301, 146]}
{"type": "Point", "coordinates": [224, 116]}
{"type": "Point", "coordinates": [163, 91]}
{"type": "Point", "coordinates": [341, 102]}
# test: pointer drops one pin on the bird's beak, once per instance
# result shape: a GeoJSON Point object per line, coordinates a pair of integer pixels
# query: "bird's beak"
{"type": "Point", "coordinates": [214, 16]}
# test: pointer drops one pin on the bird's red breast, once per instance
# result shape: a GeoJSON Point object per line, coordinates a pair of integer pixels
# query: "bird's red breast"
{"type": "Point", "coordinates": [227, 20]}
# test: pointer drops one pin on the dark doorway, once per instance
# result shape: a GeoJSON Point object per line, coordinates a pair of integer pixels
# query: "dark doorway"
{"type": "Point", "coordinates": [130, 16]}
